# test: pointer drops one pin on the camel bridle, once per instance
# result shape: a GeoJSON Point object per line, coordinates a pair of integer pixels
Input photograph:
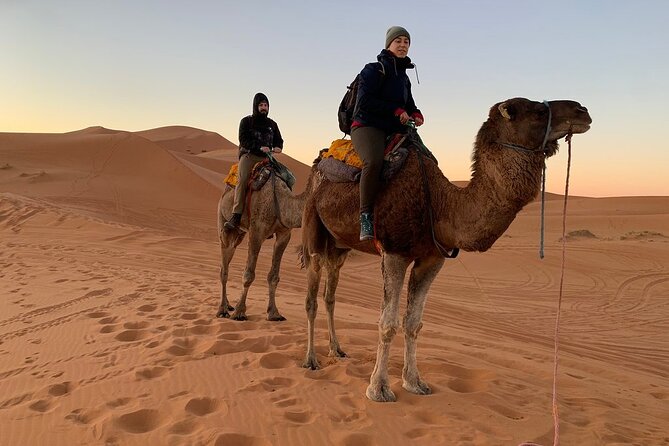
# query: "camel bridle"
{"type": "Point", "coordinates": [540, 149]}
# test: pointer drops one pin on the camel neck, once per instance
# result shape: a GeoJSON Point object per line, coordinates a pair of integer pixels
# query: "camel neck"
{"type": "Point", "coordinates": [474, 217]}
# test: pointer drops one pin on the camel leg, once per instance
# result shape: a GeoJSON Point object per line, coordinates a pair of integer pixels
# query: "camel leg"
{"type": "Point", "coordinates": [227, 252]}
{"type": "Point", "coordinates": [394, 268]}
{"type": "Point", "coordinates": [282, 239]}
{"type": "Point", "coordinates": [422, 274]}
{"type": "Point", "coordinates": [255, 242]}
{"type": "Point", "coordinates": [313, 266]}
{"type": "Point", "coordinates": [333, 264]}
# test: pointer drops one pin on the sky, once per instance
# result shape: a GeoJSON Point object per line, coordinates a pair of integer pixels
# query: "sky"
{"type": "Point", "coordinates": [136, 65]}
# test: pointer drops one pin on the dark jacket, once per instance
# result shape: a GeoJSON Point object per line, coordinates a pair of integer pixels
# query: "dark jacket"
{"type": "Point", "coordinates": [257, 130]}
{"type": "Point", "coordinates": [383, 93]}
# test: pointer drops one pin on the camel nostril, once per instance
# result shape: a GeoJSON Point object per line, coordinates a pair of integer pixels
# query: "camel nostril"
{"type": "Point", "coordinates": [582, 109]}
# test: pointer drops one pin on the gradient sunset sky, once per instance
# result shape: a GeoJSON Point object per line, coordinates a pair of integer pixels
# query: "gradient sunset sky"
{"type": "Point", "coordinates": [136, 65]}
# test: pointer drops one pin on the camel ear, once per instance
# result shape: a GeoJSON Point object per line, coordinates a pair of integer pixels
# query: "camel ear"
{"type": "Point", "coordinates": [504, 110]}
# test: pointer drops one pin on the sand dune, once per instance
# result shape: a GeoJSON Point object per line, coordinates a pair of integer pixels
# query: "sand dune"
{"type": "Point", "coordinates": [109, 283]}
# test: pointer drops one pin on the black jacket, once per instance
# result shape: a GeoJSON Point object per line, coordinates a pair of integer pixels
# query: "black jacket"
{"type": "Point", "coordinates": [384, 88]}
{"type": "Point", "coordinates": [257, 130]}
{"type": "Point", "coordinates": [255, 133]}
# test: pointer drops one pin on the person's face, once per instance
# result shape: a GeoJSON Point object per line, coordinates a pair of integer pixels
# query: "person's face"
{"type": "Point", "coordinates": [400, 46]}
{"type": "Point", "coordinates": [263, 108]}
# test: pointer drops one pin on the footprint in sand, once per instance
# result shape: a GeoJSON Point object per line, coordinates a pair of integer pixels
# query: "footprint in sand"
{"type": "Point", "coordinates": [357, 439]}
{"type": "Point", "coordinates": [270, 385]}
{"type": "Point", "coordinates": [136, 325]}
{"type": "Point", "coordinates": [284, 401]}
{"type": "Point", "coordinates": [60, 389]}
{"type": "Point", "coordinates": [467, 385]}
{"type": "Point", "coordinates": [204, 406]}
{"type": "Point", "coordinates": [660, 395]}
{"type": "Point", "coordinates": [185, 427]}
{"type": "Point", "coordinates": [147, 308]}
{"type": "Point", "coordinates": [109, 328]}
{"type": "Point", "coordinates": [131, 335]}
{"type": "Point", "coordinates": [84, 416]}
{"type": "Point", "coordinates": [468, 380]}
{"type": "Point", "coordinates": [299, 416]}
{"type": "Point", "coordinates": [240, 440]}
{"type": "Point", "coordinates": [275, 360]}
{"type": "Point", "coordinates": [151, 372]}
{"type": "Point", "coordinates": [140, 421]}
{"type": "Point", "coordinates": [182, 346]}
{"type": "Point", "coordinates": [41, 406]}
{"type": "Point", "coordinates": [201, 329]}
{"type": "Point", "coordinates": [118, 402]}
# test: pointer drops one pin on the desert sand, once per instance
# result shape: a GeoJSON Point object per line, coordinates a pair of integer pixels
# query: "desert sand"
{"type": "Point", "coordinates": [109, 288]}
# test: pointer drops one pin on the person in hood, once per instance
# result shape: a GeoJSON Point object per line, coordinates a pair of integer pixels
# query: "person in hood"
{"type": "Point", "coordinates": [258, 136]}
{"type": "Point", "coordinates": [383, 106]}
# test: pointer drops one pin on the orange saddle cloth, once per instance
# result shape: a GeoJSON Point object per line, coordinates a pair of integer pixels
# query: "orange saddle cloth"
{"type": "Point", "coordinates": [233, 175]}
{"type": "Point", "coordinates": [342, 150]}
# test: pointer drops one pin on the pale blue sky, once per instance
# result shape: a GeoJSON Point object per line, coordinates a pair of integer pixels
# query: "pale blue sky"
{"type": "Point", "coordinates": [135, 65]}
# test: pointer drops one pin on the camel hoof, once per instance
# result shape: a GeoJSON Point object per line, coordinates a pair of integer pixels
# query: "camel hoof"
{"type": "Point", "coordinates": [380, 393]}
{"type": "Point", "coordinates": [338, 353]}
{"type": "Point", "coordinates": [419, 388]}
{"type": "Point", "coordinates": [276, 318]}
{"type": "Point", "coordinates": [311, 363]}
{"type": "Point", "coordinates": [222, 313]}
{"type": "Point", "coordinates": [239, 317]}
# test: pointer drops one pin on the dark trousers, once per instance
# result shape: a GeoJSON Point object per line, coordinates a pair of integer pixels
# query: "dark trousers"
{"type": "Point", "coordinates": [246, 163]}
{"type": "Point", "coordinates": [370, 143]}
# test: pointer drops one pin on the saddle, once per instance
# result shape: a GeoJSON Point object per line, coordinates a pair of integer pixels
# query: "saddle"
{"type": "Point", "coordinates": [260, 173]}
{"type": "Point", "coordinates": [342, 164]}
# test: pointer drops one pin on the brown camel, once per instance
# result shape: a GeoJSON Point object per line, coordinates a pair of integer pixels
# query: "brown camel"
{"type": "Point", "coordinates": [265, 216]}
{"type": "Point", "coordinates": [509, 154]}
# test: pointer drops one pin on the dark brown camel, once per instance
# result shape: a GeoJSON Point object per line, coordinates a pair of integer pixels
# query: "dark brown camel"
{"type": "Point", "coordinates": [264, 220]}
{"type": "Point", "coordinates": [507, 164]}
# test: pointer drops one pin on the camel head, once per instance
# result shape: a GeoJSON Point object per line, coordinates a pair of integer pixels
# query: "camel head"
{"type": "Point", "coordinates": [528, 124]}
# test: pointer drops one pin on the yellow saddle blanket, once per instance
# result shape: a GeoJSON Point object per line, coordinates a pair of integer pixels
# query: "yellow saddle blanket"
{"type": "Point", "coordinates": [233, 177]}
{"type": "Point", "coordinates": [342, 150]}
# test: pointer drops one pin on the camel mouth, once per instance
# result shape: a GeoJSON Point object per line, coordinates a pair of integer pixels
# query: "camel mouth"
{"type": "Point", "coordinates": [579, 128]}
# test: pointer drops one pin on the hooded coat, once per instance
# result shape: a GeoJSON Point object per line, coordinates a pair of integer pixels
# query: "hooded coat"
{"type": "Point", "coordinates": [384, 93]}
{"type": "Point", "coordinates": [257, 130]}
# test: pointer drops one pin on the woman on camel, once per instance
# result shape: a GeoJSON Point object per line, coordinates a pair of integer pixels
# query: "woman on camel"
{"type": "Point", "coordinates": [383, 106]}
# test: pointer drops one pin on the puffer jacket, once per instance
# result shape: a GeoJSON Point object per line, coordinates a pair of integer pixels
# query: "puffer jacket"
{"type": "Point", "coordinates": [384, 92]}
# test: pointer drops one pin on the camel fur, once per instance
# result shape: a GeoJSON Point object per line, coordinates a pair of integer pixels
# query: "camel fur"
{"type": "Point", "coordinates": [472, 218]}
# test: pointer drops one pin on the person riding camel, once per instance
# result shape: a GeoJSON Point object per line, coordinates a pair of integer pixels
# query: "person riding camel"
{"type": "Point", "coordinates": [258, 136]}
{"type": "Point", "coordinates": [383, 106]}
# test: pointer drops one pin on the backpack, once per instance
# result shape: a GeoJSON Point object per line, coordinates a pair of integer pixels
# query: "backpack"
{"type": "Point", "coordinates": [348, 102]}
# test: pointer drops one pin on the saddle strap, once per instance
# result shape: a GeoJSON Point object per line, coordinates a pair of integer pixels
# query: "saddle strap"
{"type": "Point", "coordinates": [447, 253]}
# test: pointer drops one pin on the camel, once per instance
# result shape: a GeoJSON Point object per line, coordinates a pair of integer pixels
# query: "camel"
{"type": "Point", "coordinates": [272, 211]}
{"type": "Point", "coordinates": [509, 154]}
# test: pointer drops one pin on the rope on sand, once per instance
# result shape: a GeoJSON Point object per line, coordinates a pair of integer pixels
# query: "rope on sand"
{"type": "Point", "coordinates": [556, 415]}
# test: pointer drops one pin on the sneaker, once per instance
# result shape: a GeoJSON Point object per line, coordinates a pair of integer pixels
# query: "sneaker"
{"type": "Point", "coordinates": [366, 226]}
{"type": "Point", "coordinates": [233, 223]}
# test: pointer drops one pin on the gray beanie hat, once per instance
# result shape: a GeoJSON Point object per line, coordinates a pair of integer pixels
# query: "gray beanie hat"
{"type": "Point", "coordinates": [394, 32]}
